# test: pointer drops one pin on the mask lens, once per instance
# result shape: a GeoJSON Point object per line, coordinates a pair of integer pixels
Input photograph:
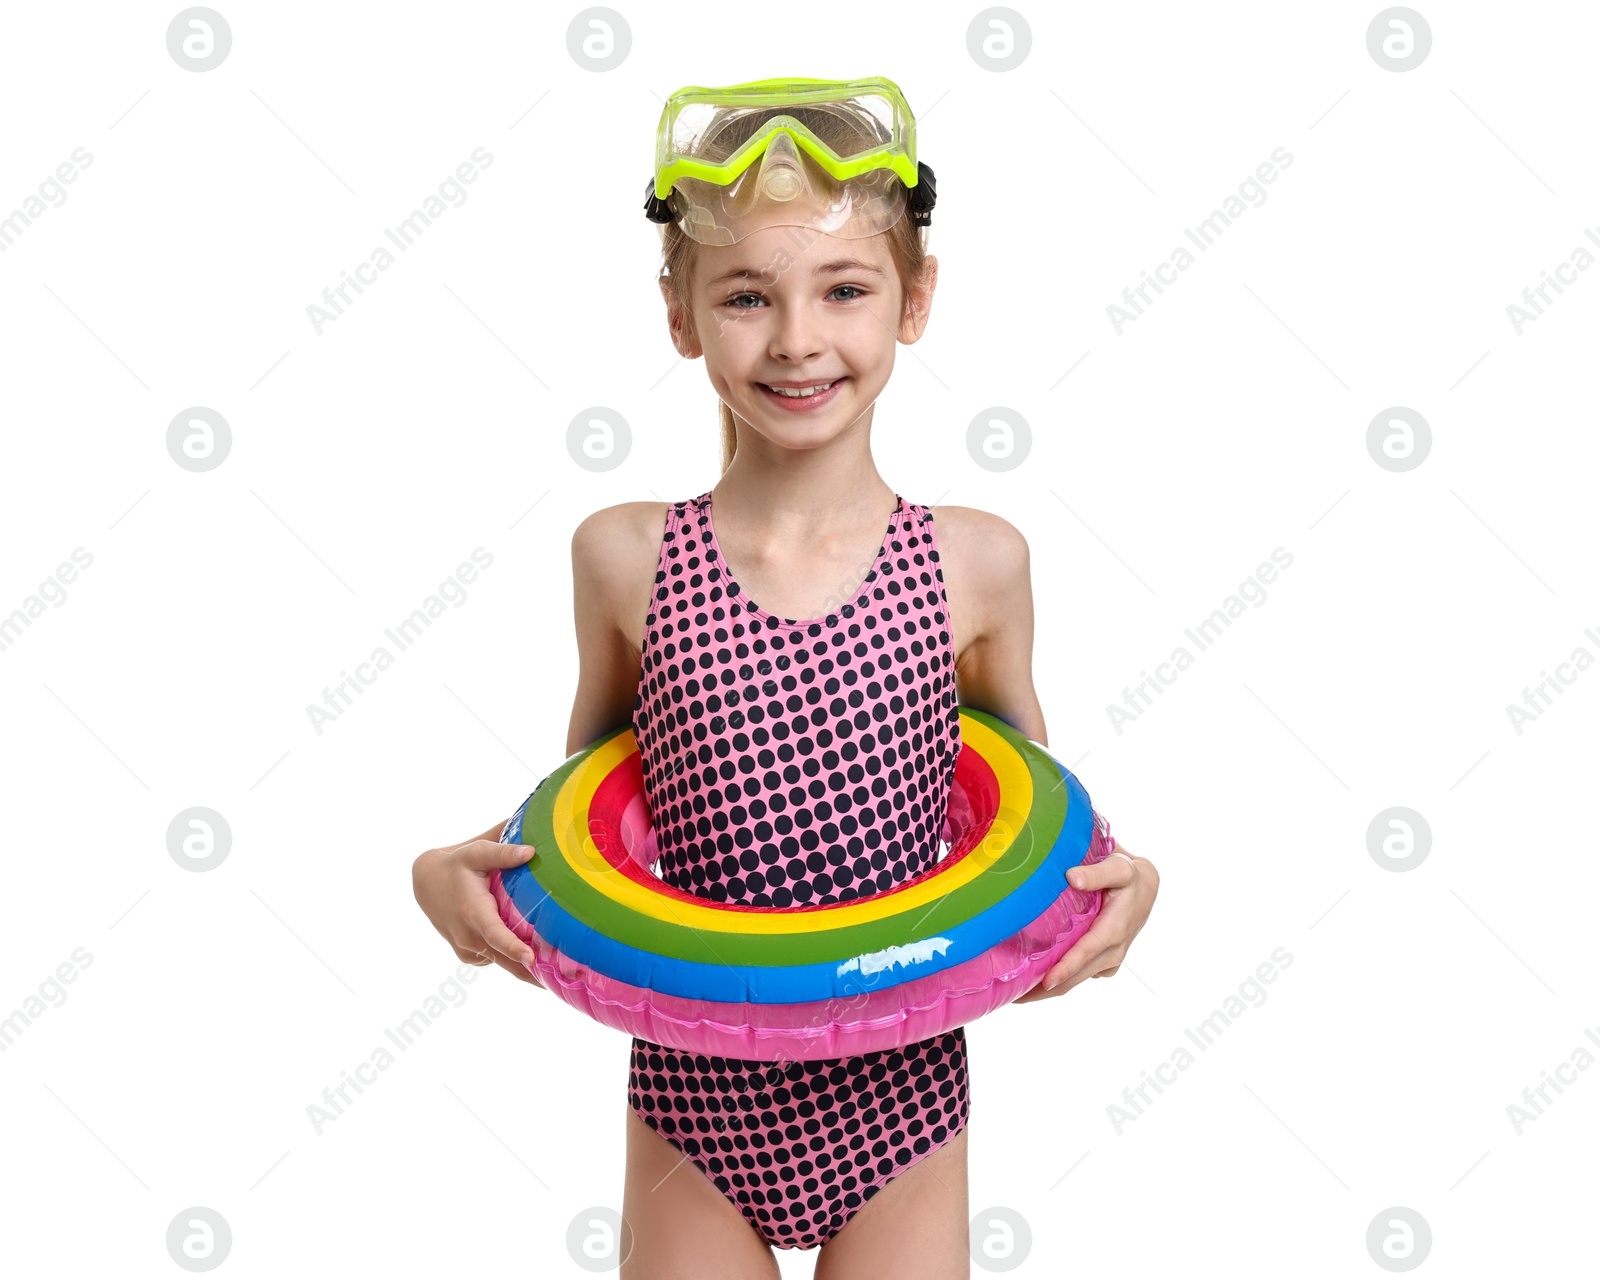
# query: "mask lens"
{"type": "Point", "coordinates": [766, 139]}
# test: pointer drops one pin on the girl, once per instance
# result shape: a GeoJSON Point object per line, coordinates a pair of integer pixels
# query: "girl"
{"type": "Point", "coordinates": [784, 647]}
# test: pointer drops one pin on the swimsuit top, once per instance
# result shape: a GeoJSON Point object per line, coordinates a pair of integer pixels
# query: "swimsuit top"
{"type": "Point", "coordinates": [796, 762]}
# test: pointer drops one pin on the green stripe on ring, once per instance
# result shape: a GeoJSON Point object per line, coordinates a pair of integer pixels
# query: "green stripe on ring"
{"type": "Point", "coordinates": [601, 913]}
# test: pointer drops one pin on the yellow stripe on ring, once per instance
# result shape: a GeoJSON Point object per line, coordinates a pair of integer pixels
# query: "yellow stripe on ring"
{"type": "Point", "coordinates": [571, 818]}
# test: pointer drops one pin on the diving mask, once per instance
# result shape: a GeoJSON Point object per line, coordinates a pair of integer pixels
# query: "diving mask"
{"type": "Point", "coordinates": [827, 154]}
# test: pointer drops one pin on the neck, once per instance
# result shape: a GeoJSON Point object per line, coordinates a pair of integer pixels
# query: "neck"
{"type": "Point", "coordinates": [770, 486]}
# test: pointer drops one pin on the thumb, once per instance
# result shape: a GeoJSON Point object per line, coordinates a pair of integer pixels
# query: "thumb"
{"type": "Point", "coordinates": [484, 855]}
{"type": "Point", "coordinates": [1090, 875]}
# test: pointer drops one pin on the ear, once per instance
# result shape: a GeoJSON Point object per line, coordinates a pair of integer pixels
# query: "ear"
{"type": "Point", "coordinates": [680, 324]}
{"type": "Point", "coordinates": [919, 302]}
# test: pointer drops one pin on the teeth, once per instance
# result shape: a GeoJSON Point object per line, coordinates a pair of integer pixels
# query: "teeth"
{"type": "Point", "coordinates": [800, 392]}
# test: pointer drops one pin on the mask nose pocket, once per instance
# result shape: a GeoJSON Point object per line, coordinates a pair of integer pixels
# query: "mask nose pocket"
{"type": "Point", "coordinates": [781, 176]}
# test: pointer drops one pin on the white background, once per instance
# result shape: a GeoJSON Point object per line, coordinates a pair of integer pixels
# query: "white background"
{"type": "Point", "coordinates": [368, 461]}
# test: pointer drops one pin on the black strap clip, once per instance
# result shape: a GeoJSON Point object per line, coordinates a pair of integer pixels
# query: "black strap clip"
{"type": "Point", "coordinates": [655, 209]}
{"type": "Point", "coordinates": [922, 196]}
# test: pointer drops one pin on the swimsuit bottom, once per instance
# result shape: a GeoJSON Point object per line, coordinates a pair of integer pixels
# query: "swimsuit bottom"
{"type": "Point", "coordinates": [799, 1147]}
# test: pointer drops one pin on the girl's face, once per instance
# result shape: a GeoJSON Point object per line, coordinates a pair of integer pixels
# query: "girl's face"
{"type": "Point", "coordinates": [794, 306]}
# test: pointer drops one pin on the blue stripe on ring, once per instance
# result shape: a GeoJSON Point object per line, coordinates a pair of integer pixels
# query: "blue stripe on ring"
{"type": "Point", "coordinates": [800, 984]}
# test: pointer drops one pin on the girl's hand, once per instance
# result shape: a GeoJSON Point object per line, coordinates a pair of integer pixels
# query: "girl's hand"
{"type": "Point", "coordinates": [452, 888]}
{"type": "Point", "coordinates": [1130, 892]}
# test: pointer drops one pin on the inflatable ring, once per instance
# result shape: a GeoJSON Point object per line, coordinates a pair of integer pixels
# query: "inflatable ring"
{"type": "Point", "coordinates": [971, 933]}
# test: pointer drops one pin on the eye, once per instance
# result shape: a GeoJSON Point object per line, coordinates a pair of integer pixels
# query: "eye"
{"type": "Point", "coordinates": [735, 302]}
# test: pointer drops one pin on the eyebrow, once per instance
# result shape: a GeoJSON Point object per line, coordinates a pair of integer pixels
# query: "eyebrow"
{"type": "Point", "coordinates": [836, 267]}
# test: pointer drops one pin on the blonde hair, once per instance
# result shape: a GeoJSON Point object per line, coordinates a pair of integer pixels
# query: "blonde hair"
{"type": "Point", "coordinates": [908, 242]}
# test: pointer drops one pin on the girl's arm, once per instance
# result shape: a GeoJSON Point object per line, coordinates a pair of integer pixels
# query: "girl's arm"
{"type": "Point", "coordinates": [614, 555]}
{"type": "Point", "coordinates": [985, 566]}
{"type": "Point", "coordinates": [992, 582]}
{"type": "Point", "coordinates": [608, 665]}
{"type": "Point", "coordinates": [451, 882]}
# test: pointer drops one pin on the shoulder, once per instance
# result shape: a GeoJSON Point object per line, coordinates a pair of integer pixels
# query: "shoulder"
{"type": "Point", "coordinates": [984, 560]}
{"type": "Point", "coordinates": [615, 552]}
{"type": "Point", "coordinates": [610, 535]}
{"type": "Point", "coordinates": [970, 532]}
{"type": "Point", "coordinates": [976, 524]}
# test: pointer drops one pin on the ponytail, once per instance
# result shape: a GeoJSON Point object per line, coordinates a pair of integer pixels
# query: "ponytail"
{"type": "Point", "coordinates": [730, 440]}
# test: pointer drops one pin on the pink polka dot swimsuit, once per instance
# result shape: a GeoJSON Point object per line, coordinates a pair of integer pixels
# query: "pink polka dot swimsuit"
{"type": "Point", "coordinates": [799, 762]}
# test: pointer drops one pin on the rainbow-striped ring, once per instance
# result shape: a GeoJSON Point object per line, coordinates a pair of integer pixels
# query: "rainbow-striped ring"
{"type": "Point", "coordinates": [968, 935]}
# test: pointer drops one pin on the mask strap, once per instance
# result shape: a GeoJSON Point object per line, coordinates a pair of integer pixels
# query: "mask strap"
{"type": "Point", "coordinates": [922, 196]}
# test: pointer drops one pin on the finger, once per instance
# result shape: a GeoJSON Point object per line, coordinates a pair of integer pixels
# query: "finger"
{"type": "Point", "coordinates": [486, 855]}
{"type": "Point", "coordinates": [483, 955]}
{"type": "Point", "coordinates": [1080, 955]}
{"type": "Point", "coordinates": [494, 934]}
{"type": "Point", "coordinates": [516, 970]}
{"type": "Point", "coordinates": [1063, 977]}
{"type": "Point", "coordinates": [1080, 960]}
{"type": "Point", "coordinates": [1109, 873]}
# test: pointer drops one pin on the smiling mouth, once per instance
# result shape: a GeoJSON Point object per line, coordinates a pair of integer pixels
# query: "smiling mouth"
{"type": "Point", "coordinates": [800, 393]}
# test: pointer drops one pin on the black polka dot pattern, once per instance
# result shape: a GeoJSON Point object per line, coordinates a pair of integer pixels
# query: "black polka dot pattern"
{"type": "Point", "coordinates": [799, 762]}
{"type": "Point", "coordinates": [796, 763]}
{"type": "Point", "coordinates": [799, 1147]}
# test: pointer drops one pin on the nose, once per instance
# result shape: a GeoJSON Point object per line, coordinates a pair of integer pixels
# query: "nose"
{"type": "Point", "coordinates": [797, 337]}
